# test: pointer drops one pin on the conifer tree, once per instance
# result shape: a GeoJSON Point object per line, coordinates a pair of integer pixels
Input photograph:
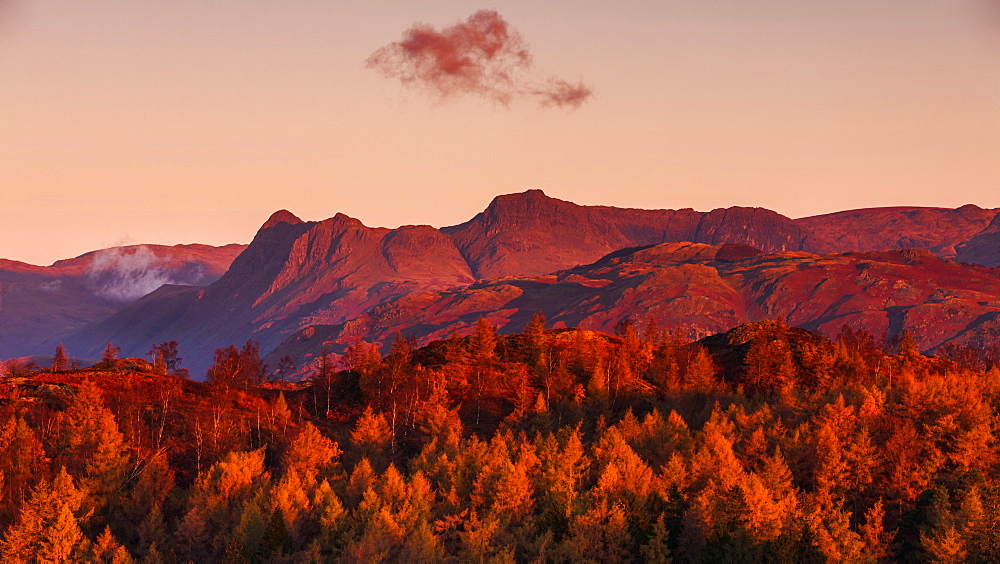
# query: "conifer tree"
{"type": "Point", "coordinates": [90, 445]}
{"type": "Point", "coordinates": [48, 527]}
{"type": "Point", "coordinates": [110, 355]}
{"type": "Point", "coordinates": [107, 550]}
{"type": "Point", "coordinates": [373, 437]}
{"type": "Point", "coordinates": [219, 497]}
{"type": "Point", "coordinates": [311, 455]}
{"type": "Point", "coordinates": [534, 332]}
{"type": "Point", "coordinates": [22, 462]}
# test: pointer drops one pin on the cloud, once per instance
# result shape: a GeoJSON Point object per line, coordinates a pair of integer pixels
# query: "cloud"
{"type": "Point", "coordinates": [128, 273]}
{"type": "Point", "coordinates": [482, 56]}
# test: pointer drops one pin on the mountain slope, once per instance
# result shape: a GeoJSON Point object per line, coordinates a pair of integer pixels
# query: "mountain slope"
{"type": "Point", "coordinates": [292, 273]}
{"type": "Point", "coordinates": [705, 289]}
{"type": "Point", "coordinates": [984, 247]}
{"type": "Point", "coordinates": [40, 305]}
{"type": "Point", "coordinates": [936, 229]}
{"type": "Point", "coordinates": [530, 233]}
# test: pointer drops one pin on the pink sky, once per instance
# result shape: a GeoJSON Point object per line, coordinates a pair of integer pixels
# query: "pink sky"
{"type": "Point", "coordinates": [179, 121]}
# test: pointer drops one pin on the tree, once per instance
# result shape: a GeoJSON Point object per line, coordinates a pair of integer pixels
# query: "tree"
{"type": "Point", "coordinates": [238, 368]}
{"type": "Point", "coordinates": [110, 355]}
{"type": "Point", "coordinates": [907, 345]}
{"type": "Point", "coordinates": [769, 364]}
{"type": "Point", "coordinates": [166, 353]}
{"type": "Point", "coordinates": [483, 371]}
{"type": "Point", "coordinates": [60, 361]}
{"type": "Point", "coordinates": [48, 528]}
{"type": "Point", "coordinates": [361, 357]}
{"type": "Point", "coordinates": [219, 498]}
{"type": "Point", "coordinates": [311, 455]}
{"type": "Point", "coordinates": [699, 375]}
{"type": "Point", "coordinates": [657, 549]}
{"type": "Point", "coordinates": [22, 463]}
{"type": "Point", "coordinates": [108, 549]}
{"type": "Point", "coordinates": [535, 334]}
{"type": "Point", "coordinates": [324, 380]}
{"type": "Point", "coordinates": [92, 447]}
{"type": "Point", "coordinates": [285, 367]}
{"type": "Point", "coordinates": [373, 437]}
{"type": "Point", "coordinates": [484, 341]}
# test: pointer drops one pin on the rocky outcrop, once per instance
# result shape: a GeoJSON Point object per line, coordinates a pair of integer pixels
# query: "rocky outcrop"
{"type": "Point", "coordinates": [530, 233]}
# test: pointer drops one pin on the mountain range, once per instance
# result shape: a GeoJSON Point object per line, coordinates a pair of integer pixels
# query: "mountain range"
{"type": "Point", "coordinates": [301, 285]}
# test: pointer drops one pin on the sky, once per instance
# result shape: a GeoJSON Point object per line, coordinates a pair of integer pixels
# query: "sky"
{"type": "Point", "coordinates": [184, 121]}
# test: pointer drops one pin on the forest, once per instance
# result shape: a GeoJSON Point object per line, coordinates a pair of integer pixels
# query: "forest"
{"type": "Point", "coordinates": [767, 443]}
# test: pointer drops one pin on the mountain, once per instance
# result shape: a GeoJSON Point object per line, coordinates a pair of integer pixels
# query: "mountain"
{"type": "Point", "coordinates": [939, 230]}
{"type": "Point", "coordinates": [292, 273]}
{"type": "Point", "coordinates": [296, 275]}
{"type": "Point", "coordinates": [40, 305]}
{"type": "Point", "coordinates": [705, 289]}
{"type": "Point", "coordinates": [531, 233]}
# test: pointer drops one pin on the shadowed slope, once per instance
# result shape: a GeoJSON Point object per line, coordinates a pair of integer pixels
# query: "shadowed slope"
{"type": "Point", "coordinates": [40, 305]}
{"type": "Point", "coordinates": [984, 247]}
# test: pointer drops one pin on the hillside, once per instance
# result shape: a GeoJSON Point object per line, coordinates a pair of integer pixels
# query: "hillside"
{"type": "Point", "coordinates": [767, 441]}
{"type": "Point", "coordinates": [939, 230]}
{"type": "Point", "coordinates": [704, 289]}
{"type": "Point", "coordinates": [41, 305]}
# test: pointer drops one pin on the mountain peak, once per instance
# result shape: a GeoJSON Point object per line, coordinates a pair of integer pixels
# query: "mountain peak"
{"type": "Point", "coordinates": [529, 202]}
{"type": "Point", "coordinates": [281, 216]}
{"type": "Point", "coordinates": [532, 196]}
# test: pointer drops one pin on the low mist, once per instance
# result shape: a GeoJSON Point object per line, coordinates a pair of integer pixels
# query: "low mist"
{"type": "Point", "coordinates": [128, 273]}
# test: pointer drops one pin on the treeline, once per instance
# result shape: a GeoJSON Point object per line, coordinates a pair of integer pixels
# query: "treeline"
{"type": "Point", "coordinates": [764, 444]}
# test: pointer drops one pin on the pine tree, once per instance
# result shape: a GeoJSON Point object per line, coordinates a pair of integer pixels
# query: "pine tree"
{"type": "Point", "coordinates": [107, 549]}
{"type": "Point", "coordinates": [876, 539]}
{"type": "Point", "coordinates": [48, 527]}
{"type": "Point", "coordinates": [535, 335]}
{"type": "Point", "coordinates": [373, 437]}
{"type": "Point", "coordinates": [110, 355]}
{"type": "Point", "coordinates": [22, 461]}
{"type": "Point", "coordinates": [699, 375]}
{"type": "Point", "coordinates": [91, 446]}
{"type": "Point", "coordinates": [311, 455]}
{"type": "Point", "coordinates": [218, 499]}
{"type": "Point", "coordinates": [657, 548]}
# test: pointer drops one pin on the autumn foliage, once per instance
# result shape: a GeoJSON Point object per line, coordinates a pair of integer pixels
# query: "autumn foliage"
{"type": "Point", "coordinates": [766, 443]}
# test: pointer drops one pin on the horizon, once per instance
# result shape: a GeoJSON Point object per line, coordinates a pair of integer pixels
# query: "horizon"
{"type": "Point", "coordinates": [163, 122]}
{"type": "Point", "coordinates": [250, 236]}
